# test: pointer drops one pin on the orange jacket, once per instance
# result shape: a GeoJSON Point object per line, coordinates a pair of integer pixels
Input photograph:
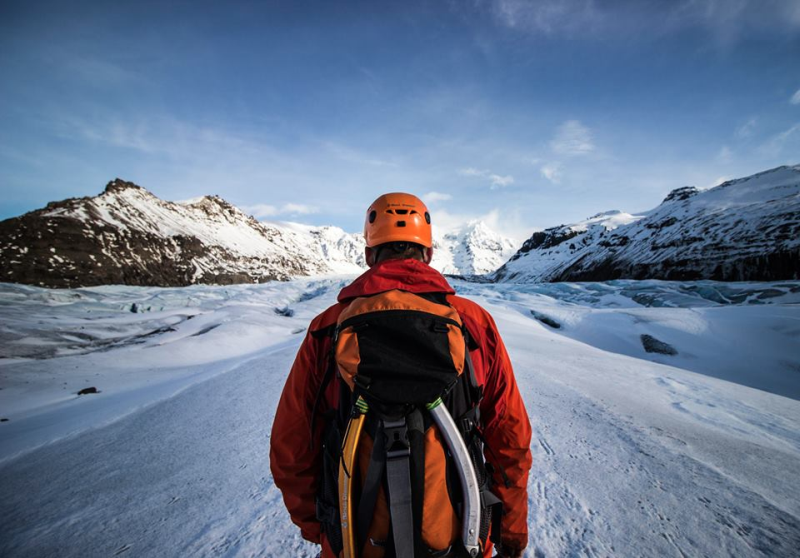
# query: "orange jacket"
{"type": "Point", "coordinates": [296, 465]}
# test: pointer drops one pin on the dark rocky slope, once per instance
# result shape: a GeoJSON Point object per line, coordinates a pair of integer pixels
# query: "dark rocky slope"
{"type": "Point", "coordinates": [126, 235]}
{"type": "Point", "coordinates": [742, 230]}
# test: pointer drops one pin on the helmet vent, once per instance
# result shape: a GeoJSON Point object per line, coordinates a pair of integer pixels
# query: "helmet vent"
{"type": "Point", "coordinates": [427, 217]}
{"type": "Point", "coordinates": [401, 211]}
{"type": "Point", "coordinates": [372, 215]}
{"type": "Point", "coordinates": [401, 223]}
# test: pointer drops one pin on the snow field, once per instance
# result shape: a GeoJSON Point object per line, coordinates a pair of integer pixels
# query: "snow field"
{"type": "Point", "coordinates": [59, 342]}
{"type": "Point", "coordinates": [188, 476]}
{"type": "Point", "coordinates": [635, 454]}
{"type": "Point", "coordinates": [639, 459]}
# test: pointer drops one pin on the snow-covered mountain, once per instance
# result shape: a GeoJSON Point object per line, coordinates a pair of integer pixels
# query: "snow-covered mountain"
{"type": "Point", "coordinates": [744, 229]}
{"type": "Point", "coordinates": [126, 235]}
{"type": "Point", "coordinates": [473, 249]}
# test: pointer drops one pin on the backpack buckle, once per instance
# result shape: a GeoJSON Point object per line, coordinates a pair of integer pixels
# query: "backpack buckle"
{"type": "Point", "coordinates": [397, 444]}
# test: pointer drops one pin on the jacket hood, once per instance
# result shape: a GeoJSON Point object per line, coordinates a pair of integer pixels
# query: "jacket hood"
{"type": "Point", "coordinates": [408, 275]}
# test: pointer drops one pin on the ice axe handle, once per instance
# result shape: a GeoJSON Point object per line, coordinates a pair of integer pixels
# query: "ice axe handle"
{"type": "Point", "coordinates": [471, 522]}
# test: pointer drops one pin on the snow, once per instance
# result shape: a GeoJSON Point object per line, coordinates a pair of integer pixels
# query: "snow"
{"type": "Point", "coordinates": [698, 235]}
{"type": "Point", "coordinates": [473, 249]}
{"type": "Point", "coordinates": [635, 453]}
{"type": "Point", "coordinates": [130, 226]}
{"type": "Point", "coordinates": [191, 201]}
{"type": "Point", "coordinates": [235, 242]}
{"type": "Point", "coordinates": [608, 220]}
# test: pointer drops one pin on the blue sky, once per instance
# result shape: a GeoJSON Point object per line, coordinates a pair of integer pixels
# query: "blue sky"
{"type": "Point", "coordinates": [527, 114]}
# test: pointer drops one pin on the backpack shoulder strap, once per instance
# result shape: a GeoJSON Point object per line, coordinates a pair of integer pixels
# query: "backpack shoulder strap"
{"type": "Point", "coordinates": [320, 333]}
{"type": "Point", "coordinates": [330, 371]}
{"type": "Point", "coordinates": [438, 298]}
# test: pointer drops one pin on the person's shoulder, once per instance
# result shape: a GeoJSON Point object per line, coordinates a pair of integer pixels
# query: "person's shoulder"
{"type": "Point", "coordinates": [472, 310]}
{"type": "Point", "coordinates": [326, 319]}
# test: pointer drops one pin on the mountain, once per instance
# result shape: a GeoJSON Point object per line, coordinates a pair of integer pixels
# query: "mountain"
{"type": "Point", "coordinates": [473, 249]}
{"type": "Point", "coordinates": [126, 235]}
{"type": "Point", "coordinates": [742, 230]}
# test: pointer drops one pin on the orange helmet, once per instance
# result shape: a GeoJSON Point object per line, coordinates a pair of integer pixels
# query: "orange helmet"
{"type": "Point", "coordinates": [398, 217]}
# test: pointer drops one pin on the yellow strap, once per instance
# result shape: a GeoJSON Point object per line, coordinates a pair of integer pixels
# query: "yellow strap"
{"type": "Point", "coordinates": [346, 468]}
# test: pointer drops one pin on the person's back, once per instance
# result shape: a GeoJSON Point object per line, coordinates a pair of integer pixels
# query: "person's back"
{"type": "Point", "coordinates": [399, 248]}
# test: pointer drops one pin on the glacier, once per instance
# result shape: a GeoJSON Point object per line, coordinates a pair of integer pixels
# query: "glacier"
{"type": "Point", "coordinates": [635, 453]}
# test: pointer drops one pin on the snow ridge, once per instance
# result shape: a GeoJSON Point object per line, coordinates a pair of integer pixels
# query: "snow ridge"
{"type": "Point", "coordinates": [473, 249]}
{"type": "Point", "coordinates": [128, 236]}
{"type": "Point", "coordinates": [744, 229]}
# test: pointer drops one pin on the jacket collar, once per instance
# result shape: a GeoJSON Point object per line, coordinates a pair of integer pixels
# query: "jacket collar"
{"type": "Point", "coordinates": [408, 275]}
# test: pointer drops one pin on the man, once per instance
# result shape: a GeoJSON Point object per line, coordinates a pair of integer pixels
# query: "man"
{"type": "Point", "coordinates": [399, 248]}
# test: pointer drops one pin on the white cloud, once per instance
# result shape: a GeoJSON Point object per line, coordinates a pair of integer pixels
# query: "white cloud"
{"type": "Point", "coordinates": [719, 181]}
{"type": "Point", "coordinates": [730, 21]}
{"type": "Point", "coordinates": [501, 181]}
{"type": "Point", "coordinates": [795, 100]}
{"type": "Point", "coordinates": [164, 135]}
{"type": "Point", "coordinates": [746, 129]}
{"type": "Point", "coordinates": [725, 21]}
{"type": "Point", "coordinates": [433, 197]}
{"type": "Point", "coordinates": [552, 172]}
{"type": "Point", "coordinates": [495, 180]}
{"type": "Point", "coordinates": [511, 224]}
{"type": "Point", "coordinates": [298, 209]}
{"type": "Point", "coordinates": [572, 138]}
{"type": "Point", "coordinates": [351, 155]}
{"type": "Point", "coordinates": [262, 211]}
{"type": "Point", "coordinates": [725, 154]}
{"type": "Point", "coordinates": [547, 16]}
{"type": "Point", "coordinates": [775, 145]}
{"type": "Point", "coordinates": [98, 70]}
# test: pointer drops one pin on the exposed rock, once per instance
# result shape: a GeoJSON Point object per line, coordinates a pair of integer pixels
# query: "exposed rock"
{"type": "Point", "coordinates": [285, 311]}
{"type": "Point", "coordinates": [742, 230]}
{"type": "Point", "coordinates": [546, 320]}
{"type": "Point", "coordinates": [653, 345]}
{"type": "Point", "coordinates": [87, 391]}
{"type": "Point", "coordinates": [668, 222]}
{"type": "Point", "coordinates": [126, 235]}
{"type": "Point", "coordinates": [547, 239]}
{"type": "Point", "coordinates": [680, 194]}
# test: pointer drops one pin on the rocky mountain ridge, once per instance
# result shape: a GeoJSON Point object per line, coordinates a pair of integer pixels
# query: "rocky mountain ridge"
{"type": "Point", "coordinates": [742, 230]}
{"type": "Point", "coordinates": [127, 235]}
